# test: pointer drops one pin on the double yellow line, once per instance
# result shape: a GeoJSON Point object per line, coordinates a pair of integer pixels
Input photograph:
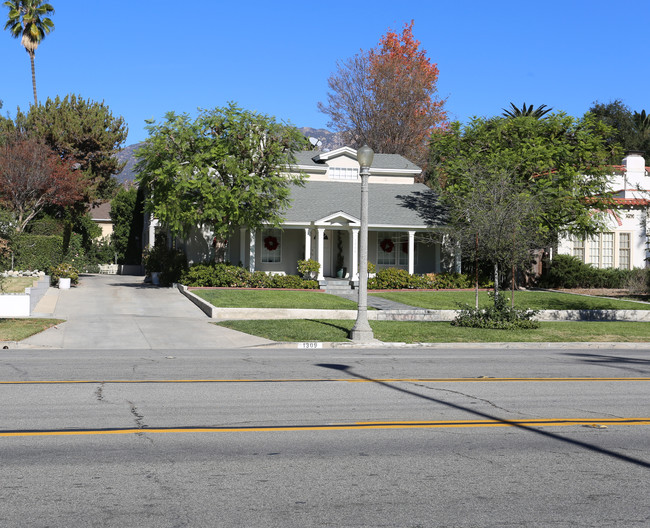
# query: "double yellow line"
{"type": "Point", "coordinates": [357, 426]}
{"type": "Point", "coordinates": [482, 379]}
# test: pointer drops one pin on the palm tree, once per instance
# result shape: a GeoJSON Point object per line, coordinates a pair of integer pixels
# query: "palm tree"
{"type": "Point", "coordinates": [537, 113]}
{"type": "Point", "coordinates": [28, 21]}
{"type": "Point", "coordinates": [642, 123]}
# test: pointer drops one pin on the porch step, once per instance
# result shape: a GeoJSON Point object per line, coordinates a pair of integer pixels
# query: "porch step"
{"type": "Point", "coordinates": [338, 287]}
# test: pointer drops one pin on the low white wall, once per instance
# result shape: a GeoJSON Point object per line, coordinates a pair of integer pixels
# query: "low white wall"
{"type": "Point", "coordinates": [14, 305]}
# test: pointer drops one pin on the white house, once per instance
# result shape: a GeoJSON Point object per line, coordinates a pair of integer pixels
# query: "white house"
{"type": "Point", "coordinates": [323, 221]}
{"type": "Point", "coordinates": [626, 243]}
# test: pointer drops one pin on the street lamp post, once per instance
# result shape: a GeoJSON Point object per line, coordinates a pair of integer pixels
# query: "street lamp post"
{"type": "Point", "coordinates": [361, 331]}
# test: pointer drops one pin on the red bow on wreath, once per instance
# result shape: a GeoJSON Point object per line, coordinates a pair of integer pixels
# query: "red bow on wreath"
{"type": "Point", "coordinates": [387, 245]}
{"type": "Point", "coordinates": [271, 243]}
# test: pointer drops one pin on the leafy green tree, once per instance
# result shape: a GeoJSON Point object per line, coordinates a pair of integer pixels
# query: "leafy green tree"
{"type": "Point", "coordinates": [221, 170]}
{"type": "Point", "coordinates": [629, 131]}
{"type": "Point", "coordinates": [28, 21]}
{"type": "Point", "coordinates": [537, 113]}
{"type": "Point", "coordinates": [561, 161]}
{"type": "Point", "coordinates": [83, 131]}
{"type": "Point", "coordinates": [126, 214]}
{"type": "Point", "coordinates": [495, 221]}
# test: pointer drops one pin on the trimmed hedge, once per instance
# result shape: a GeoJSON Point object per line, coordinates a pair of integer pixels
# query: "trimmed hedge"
{"type": "Point", "coordinates": [567, 271]}
{"type": "Point", "coordinates": [227, 276]}
{"type": "Point", "coordinates": [399, 279]}
{"type": "Point", "coordinates": [37, 252]}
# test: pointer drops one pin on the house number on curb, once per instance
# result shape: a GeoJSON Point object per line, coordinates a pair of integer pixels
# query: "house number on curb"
{"type": "Point", "coordinates": [310, 345]}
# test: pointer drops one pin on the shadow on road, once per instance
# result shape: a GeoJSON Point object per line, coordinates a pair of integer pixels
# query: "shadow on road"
{"type": "Point", "coordinates": [619, 362]}
{"type": "Point", "coordinates": [584, 445]}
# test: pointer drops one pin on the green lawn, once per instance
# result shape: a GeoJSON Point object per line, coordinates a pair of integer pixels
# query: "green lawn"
{"type": "Point", "coordinates": [275, 299]}
{"type": "Point", "coordinates": [18, 329]}
{"type": "Point", "coordinates": [301, 330]}
{"type": "Point", "coordinates": [449, 300]}
{"type": "Point", "coordinates": [17, 284]}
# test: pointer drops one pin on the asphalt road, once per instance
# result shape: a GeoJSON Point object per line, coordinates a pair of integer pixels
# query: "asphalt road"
{"type": "Point", "coordinates": [335, 437]}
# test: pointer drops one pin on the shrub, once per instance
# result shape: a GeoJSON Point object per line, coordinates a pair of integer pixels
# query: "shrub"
{"type": "Point", "coordinates": [498, 316]}
{"type": "Point", "coordinates": [450, 281]}
{"type": "Point", "coordinates": [64, 271]}
{"type": "Point", "coordinates": [308, 266]}
{"type": "Point", "coordinates": [214, 275]}
{"type": "Point", "coordinates": [390, 279]}
{"type": "Point", "coordinates": [293, 282]}
{"type": "Point", "coordinates": [170, 263]}
{"type": "Point", "coordinates": [36, 252]}
{"type": "Point", "coordinates": [260, 279]}
{"type": "Point", "coordinates": [566, 271]}
{"type": "Point", "coordinates": [396, 279]}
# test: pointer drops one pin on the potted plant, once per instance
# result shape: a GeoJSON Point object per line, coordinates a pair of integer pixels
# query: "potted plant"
{"type": "Point", "coordinates": [372, 270]}
{"type": "Point", "coordinates": [340, 270]}
{"type": "Point", "coordinates": [308, 268]}
{"type": "Point", "coordinates": [64, 275]}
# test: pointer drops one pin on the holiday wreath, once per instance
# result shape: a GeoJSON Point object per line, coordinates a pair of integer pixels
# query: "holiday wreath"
{"type": "Point", "coordinates": [271, 243]}
{"type": "Point", "coordinates": [387, 245]}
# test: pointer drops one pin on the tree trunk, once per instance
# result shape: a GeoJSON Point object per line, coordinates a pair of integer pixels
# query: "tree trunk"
{"type": "Point", "coordinates": [31, 58]}
{"type": "Point", "coordinates": [496, 282]}
{"type": "Point", "coordinates": [220, 246]}
{"type": "Point", "coordinates": [476, 270]}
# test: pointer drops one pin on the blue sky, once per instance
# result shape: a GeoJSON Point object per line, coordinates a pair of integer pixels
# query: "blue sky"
{"type": "Point", "coordinates": [146, 57]}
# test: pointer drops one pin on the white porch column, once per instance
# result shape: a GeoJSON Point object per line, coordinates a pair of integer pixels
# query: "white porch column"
{"type": "Point", "coordinates": [242, 246]}
{"type": "Point", "coordinates": [319, 253]}
{"type": "Point", "coordinates": [153, 223]}
{"type": "Point", "coordinates": [411, 252]}
{"type": "Point", "coordinates": [307, 243]}
{"type": "Point", "coordinates": [251, 252]}
{"type": "Point", "coordinates": [354, 251]}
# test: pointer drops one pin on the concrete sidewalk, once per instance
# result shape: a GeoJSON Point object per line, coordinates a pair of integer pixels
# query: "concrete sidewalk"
{"type": "Point", "coordinates": [121, 312]}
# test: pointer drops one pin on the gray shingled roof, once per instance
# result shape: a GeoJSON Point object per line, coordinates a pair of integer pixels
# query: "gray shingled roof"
{"type": "Point", "coordinates": [380, 161]}
{"type": "Point", "coordinates": [388, 204]}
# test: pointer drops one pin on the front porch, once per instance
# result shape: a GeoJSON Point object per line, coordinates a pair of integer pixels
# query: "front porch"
{"type": "Point", "coordinates": [336, 249]}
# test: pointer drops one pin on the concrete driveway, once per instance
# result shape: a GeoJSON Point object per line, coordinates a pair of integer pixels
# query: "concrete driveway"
{"type": "Point", "coordinates": [121, 312]}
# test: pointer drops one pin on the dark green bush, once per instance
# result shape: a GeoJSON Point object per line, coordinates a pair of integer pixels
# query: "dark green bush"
{"type": "Point", "coordinates": [64, 270]}
{"type": "Point", "coordinates": [37, 252]}
{"type": "Point", "coordinates": [227, 276]}
{"type": "Point", "coordinates": [397, 279]}
{"type": "Point", "coordinates": [566, 271]}
{"type": "Point", "coordinates": [260, 279]}
{"type": "Point", "coordinates": [170, 263]}
{"type": "Point", "coordinates": [293, 282]}
{"type": "Point", "coordinates": [498, 316]}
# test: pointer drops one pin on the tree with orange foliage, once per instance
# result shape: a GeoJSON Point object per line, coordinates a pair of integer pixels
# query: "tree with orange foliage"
{"type": "Point", "coordinates": [386, 98]}
{"type": "Point", "coordinates": [32, 176]}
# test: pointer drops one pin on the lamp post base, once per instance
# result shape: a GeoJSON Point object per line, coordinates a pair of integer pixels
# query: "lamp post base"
{"type": "Point", "coordinates": [361, 333]}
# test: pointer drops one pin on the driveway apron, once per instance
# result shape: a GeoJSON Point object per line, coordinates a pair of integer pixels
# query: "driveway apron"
{"type": "Point", "coordinates": [121, 312]}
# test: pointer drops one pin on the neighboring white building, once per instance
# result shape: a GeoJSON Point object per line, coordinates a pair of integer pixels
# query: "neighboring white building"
{"type": "Point", "coordinates": [626, 243]}
{"type": "Point", "coordinates": [323, 221]}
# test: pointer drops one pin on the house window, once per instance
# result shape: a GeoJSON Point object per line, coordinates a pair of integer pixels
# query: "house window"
{"type": "Point", "coordinates": [624, 250]}
{"type": "Point", "coordinates": [594, 251]}
{"type": "Point", "coordinates": [271, 245]}
{"type": "Point", "coordinates": [393, 250]}
{"type": "Point", "coordinates": [343, 173]}
{"type": "Point", "coordinates": [579, 248]}
{"type": "Point", "coordinates": [609, 250]}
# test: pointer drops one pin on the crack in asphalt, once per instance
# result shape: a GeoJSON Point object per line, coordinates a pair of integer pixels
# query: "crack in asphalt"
{"type": "Point", "coordinates": [20, 371]}
{"type": "Point", "coordinates": [599, 413]}
{"type": "Point", "coordinates": [99, 392]}
{"type": "Point", "coordinates": [470, 397]}
{"type": "Point", "coordinates": [139, 421]}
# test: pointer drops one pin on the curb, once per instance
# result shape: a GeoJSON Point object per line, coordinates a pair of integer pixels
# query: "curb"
{"type": "Point", "coordinates": [399, 315]}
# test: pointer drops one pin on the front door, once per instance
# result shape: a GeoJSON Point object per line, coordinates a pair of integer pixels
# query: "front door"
{"type": "Point", "coordinates": [327, 253]}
